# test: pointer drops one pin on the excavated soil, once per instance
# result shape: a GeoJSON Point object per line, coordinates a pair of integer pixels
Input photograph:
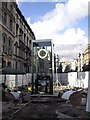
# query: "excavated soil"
{"type": "Point", "coordinates": [48, 108]}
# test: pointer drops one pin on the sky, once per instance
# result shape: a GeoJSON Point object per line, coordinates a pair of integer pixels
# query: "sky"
{"type": "Point", "coordinates": [63, 21]}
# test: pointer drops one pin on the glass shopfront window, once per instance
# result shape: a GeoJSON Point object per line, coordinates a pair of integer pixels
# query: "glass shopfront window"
{"type": "Point", "coordinates": [42, 65]}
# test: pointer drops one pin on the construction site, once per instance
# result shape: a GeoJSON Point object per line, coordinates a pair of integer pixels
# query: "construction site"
{"type": "Point", "coordinates": [44, 94]}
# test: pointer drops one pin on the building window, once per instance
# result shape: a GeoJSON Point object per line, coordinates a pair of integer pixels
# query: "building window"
{"type": "Point", "coordinates": [11, 8]}
{"type": "Point", "coordinates": [3, 63]}
{"type": "Point", "coordinates": [30, 41]}
{"type": "Point", "coordinates": [16, 17]}
{"type": "Point", "coordinates": [10, 45]}
{"type": "Point", "coordinates": [16, 65]}
{"type": "Point", "coordinates": [9, 64]}
{"type": "Point", "coordinates": [4, 18]}
{"type": "Point", "coordinates": [4, 4]}
{"type": "Point", "coordinates": [11, 25]}
{"type": "Point", "coordinates": [21, 23]}
{"type": "Point", "coordinates": [27, 41]}
{"type": "Point", "coordinates": [10, 42]}
{"type": "Point", "coordinates": [21, 34]}
{"type": "Point", "coordinates": [24, 27]}
{"type": "Point", "coordinates": [16, 47]}
{"type": "Point", "coordinates": [21, 65]}
{"type": "Point", "coordinates": [27, 69]}
{"type": "Point", "coordinates": [24, 37]}
{"type": "Point", "coordinates": [4, 37]}
{"type": "Point", "coordinates": [16, 29]}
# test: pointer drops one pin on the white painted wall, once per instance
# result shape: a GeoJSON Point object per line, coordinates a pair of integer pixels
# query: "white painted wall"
{"type": "Point", "coordinates": [10, 80]}
{"type": "Point", "coordinates": [1, 78]}
{"type": "Point", "coordinates": [74, 79]}
{"type": "Point", "coordinates": [21, 79]}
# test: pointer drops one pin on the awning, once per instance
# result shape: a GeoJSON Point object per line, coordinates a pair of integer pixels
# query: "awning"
{"type": "Point", "coordinates": [9, 70]}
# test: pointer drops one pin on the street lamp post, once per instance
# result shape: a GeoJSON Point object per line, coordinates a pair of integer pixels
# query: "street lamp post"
{"type": "Point", "coordinates": [57, 83]}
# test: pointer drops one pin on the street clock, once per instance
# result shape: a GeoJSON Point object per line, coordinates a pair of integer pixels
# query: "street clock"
{"type": "Point", "coordinates": [42, 53]}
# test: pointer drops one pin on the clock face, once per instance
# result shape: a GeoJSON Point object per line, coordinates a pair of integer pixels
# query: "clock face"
{"type": "Point", "coordinates": [42, 53]}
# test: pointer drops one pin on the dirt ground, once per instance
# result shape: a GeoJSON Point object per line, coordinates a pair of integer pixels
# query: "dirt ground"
{"type": "Point", "coordinates": [48, 108]}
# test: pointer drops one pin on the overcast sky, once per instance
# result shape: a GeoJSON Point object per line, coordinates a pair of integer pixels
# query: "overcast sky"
{"type": "Point", "coordinates": [65, 23]}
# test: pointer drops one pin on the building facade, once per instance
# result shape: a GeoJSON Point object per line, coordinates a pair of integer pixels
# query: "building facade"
{"type": "Point", "coordinates": [16, 38]}
{"type": "Point", "coordinates": [87, 55]}
{"type": "Point", "coordinates": [83, 60]}
{"type": "Point", "coordinates": [86, 58]}
{"type": "Point", "coordinates": [7, 25]}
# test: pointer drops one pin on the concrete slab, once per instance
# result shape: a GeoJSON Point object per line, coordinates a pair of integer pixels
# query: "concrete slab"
{"type": "Point", "coordinates": [61, 115]}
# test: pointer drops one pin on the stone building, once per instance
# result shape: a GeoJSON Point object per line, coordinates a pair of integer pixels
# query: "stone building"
{"type": "Point", "coordinates": [83, 60]}
{"type": "Point", "coordinates": [87, 55]}
{"type": "Point", "coordinates": [23, 39]}
{"type": "Point", "coordinates": [16, 38]}
{"type": "Point", "coordinates": [7, 25]}
{"type": "Point", "coordinates": [86, 58]}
